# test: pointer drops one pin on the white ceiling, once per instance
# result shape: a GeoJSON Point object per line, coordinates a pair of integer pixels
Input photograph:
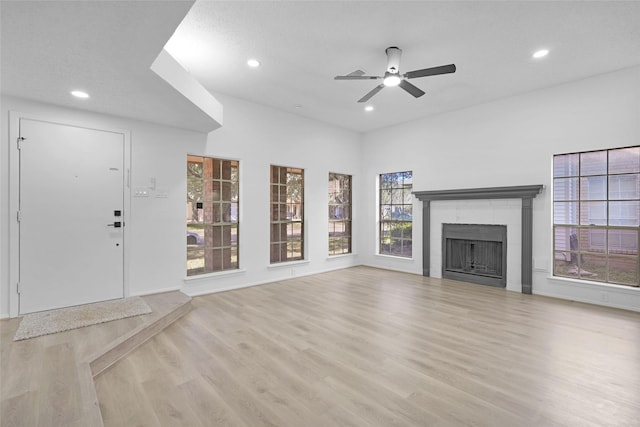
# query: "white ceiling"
{"type": "Point", "coordinates": [107, 47]}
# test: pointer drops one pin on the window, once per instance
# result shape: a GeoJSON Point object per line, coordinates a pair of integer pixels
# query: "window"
{"type": "Point", "coordinates": [596, 215]}
{"type": "Point", "coordinates": [212, 215]}
{"type": "Point", "coordinates": [287, 214]}
{"type": "Point", "coordinates": [396, 213]}
{"type": "Point", "coordinates": [339, 214]}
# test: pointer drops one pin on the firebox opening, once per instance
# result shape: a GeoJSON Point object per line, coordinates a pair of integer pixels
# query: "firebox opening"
{"type": "Point", "coordinates": [475, 253]}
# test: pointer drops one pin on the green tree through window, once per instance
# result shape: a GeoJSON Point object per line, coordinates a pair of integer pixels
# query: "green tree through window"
{"type": "Point", "coordinates": [396, 214]}
{"type": "Point", "coordinates": [212, 215]}
{"type": "Point", "coordinates": [339, 214]}
{"type": "Point", "coordinates": [287, 214]}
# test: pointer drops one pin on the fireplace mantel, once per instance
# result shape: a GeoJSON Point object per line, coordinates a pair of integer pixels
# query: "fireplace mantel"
{"type": "Point", "coordinates": [517, 192]}
{"type": "Point", "coordinates": [524, 192]}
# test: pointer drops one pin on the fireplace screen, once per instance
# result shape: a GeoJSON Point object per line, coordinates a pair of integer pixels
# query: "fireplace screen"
{"type": "Point", "coordinates": [475, 253]}
{"type": "Point", "coordinates": [474, 257]}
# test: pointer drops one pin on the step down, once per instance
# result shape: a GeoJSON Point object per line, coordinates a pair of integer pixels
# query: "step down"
{"type": "Point", "coordinates": [178, 305]}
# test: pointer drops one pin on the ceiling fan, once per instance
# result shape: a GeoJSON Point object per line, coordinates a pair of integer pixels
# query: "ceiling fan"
{"type": "Point", "coordinates": [392, 76]}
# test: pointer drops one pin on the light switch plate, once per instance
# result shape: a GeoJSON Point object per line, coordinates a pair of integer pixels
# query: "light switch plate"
{"type": "Point", "coordinates": [141, 192]}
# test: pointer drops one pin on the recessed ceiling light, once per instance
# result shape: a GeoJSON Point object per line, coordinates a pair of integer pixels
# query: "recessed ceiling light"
{"type": "Point", "coordinates": [541, 53]}
{"type": "Point", "coordinates": [79, 94]}
{"type": "Point", "coordinates": [253, 63]}
{"type": "Point", "coordinates": [368, 108]}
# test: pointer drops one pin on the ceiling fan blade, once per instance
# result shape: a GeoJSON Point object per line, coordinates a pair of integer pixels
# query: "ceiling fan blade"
{"type": "Point", "coordinates": [350, 77]}
{"type": "Point", "coordinates": [413, 90]}
{"type": "Point", "coordinates": [371, 93]}
{"type": "Point", "coordinates": [433, 71]}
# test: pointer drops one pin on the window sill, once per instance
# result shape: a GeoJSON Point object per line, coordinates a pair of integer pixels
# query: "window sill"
{"type": "Point", "coordinates": [287, 264]}
{"type": "Point", "coordinates": [579, 282]}
{"type": "Point", "coordinates": [395, 258]}
{"type": "Point", "coordinates": [217, 274]}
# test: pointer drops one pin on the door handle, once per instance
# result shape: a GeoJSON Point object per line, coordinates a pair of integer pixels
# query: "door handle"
{"type": "Point", "coordinates": [116, 224]}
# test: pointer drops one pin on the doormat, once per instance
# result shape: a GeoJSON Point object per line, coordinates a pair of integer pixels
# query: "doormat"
{"type": "Point", "coordinates": [64, 319]}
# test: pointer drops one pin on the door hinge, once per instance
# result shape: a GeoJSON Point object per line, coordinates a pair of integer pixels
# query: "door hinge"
{"type": "Point", "coordinates": [19, 216]}
{"type": "Point", "coordinates": [20, 139]}
{"type": "Point", "coordinates": [18, 287]}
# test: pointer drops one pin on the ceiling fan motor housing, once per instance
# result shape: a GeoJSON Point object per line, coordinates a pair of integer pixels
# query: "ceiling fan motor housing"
{"type": "Point", "coordinates": [393, 59]}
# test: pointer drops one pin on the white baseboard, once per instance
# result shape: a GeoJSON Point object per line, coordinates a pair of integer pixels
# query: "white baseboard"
{"type": "Point", "coordinates": [399, 270]}
{"type": "Point", "coordinates": [205, 290]}
{"type": "Point", "coordinates": [155, 291]}
{"type": "Point", "coordinates": [611, 304]}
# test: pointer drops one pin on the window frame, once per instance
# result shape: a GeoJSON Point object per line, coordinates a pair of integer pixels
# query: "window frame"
{"type": "Point", "coordinates": [286, 216]}
{"type": "Point", "coordinates": [344, 241]}
{"type": "Point", "coordinates": [403, 225]}
{"type": "Point", "coordinates": [583, 225]}
{"type": "Point", "coordinates": [219, 239]}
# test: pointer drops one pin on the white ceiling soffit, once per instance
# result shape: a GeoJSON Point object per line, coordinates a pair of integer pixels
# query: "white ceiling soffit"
{"type": "Point", "coordinates": [303, 45]}
{"type": "Point", "coordinates": [174, 74]}
{"type": "Point", "coordinates": [105, 48]}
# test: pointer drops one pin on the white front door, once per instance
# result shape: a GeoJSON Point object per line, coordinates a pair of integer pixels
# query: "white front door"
{"type": "Point", "coordinates": [71, 201]}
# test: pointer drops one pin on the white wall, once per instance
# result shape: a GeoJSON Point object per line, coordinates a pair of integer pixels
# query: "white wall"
{"type": "Point", "coordinates": [503, 143]}
{"type": "Point", "coordinates": [259, 137]}
{"type": "Point", "coordinates": [507, 142]}
{"type": "Point", "coordinates": [156, 245]}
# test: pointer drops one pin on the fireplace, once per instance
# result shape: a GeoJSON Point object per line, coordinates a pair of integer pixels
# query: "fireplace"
{"type": "Point", "coordinates": [524, 192]}
{"type": "Point", "coordinates": [475, 253]}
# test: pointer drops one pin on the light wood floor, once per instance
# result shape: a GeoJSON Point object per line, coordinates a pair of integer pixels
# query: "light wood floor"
{"type": "Point", "coordinates": [48, 381]}
{"type": "Point", "coordinates": [368, 347]}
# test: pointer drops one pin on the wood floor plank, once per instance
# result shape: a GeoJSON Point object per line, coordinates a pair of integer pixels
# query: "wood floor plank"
{"type": "Point", "coordinates": [115, 406]}
{"type": "Point", "coordinates": [369, 347]}
{"type": "Point", "coordinates": [208, 406]}
{"type": "Point", "coordinates": [20, 410]}
{"type": "Point", "coordinates": [47, 381]}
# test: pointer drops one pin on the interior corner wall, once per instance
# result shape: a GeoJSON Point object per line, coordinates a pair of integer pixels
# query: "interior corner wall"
{"type": "Point", "coordinates": [157, 246]}
{"type": "Point", "coordinates": [505, 143]}
{"type": "Point", "coordinates": [259, 137]}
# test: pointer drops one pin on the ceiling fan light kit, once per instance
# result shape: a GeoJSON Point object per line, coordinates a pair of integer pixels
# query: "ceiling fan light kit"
{"type": "Point", "coordinates": [392, 76]}
{"type": "Point", "coordinates": [391, 79]}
